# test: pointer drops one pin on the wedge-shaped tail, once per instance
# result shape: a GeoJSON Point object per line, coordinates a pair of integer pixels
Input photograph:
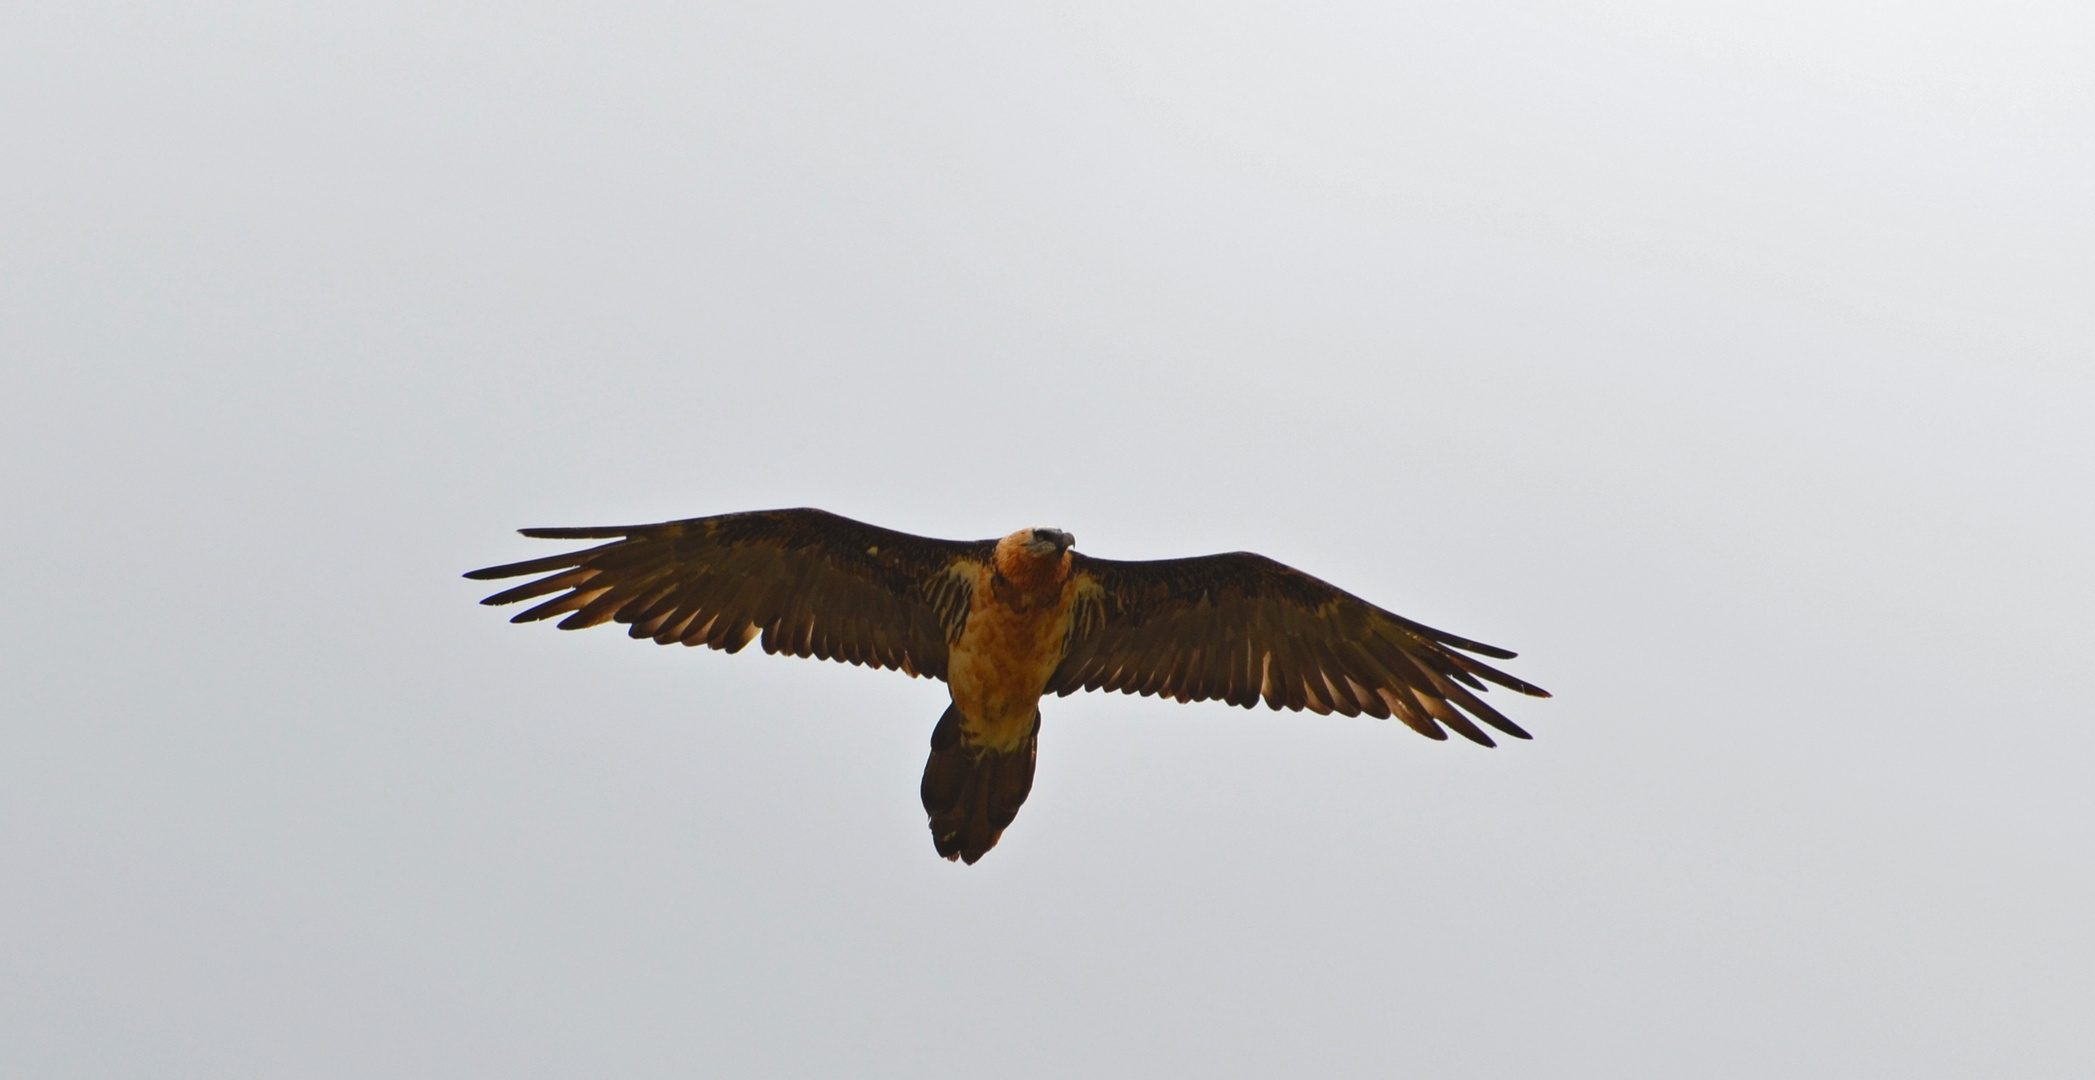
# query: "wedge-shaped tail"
{"type": "Point", "coordinates": [973, 792]}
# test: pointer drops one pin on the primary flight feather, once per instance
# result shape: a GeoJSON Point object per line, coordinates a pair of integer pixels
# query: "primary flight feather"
{"type": "Point", "coordinates": [1005, 622]}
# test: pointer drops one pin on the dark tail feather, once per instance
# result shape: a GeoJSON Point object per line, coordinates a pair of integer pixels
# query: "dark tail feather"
{"type": "Point", "coordinates": [973, 792]}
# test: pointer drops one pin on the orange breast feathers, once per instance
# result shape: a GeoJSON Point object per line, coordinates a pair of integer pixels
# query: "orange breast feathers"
{"type": "Point", "coordinates": [1012, 643]}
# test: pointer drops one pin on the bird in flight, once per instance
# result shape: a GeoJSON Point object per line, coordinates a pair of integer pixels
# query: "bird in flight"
{"type": "Point", "coordinates": [1004, 623]}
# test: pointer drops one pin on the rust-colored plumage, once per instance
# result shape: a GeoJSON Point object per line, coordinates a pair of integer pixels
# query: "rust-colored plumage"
{"type": "Point", "coordinates": [1004, 622]}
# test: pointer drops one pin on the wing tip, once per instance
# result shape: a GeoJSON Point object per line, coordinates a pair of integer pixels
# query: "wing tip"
{"type": "Point", "coordinates": [555, 562]}
{"type": "Point", "coordinates": [1507, 726]}
{"type": "Point", "coordinates": [506, 570]}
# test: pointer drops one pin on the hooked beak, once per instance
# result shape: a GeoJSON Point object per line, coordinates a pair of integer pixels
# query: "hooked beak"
{"type": "Point", "coordinates": [1062, 540]}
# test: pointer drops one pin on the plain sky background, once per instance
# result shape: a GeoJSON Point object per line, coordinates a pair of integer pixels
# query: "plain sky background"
{"type": "Point", "coordinates": [1735, 362]}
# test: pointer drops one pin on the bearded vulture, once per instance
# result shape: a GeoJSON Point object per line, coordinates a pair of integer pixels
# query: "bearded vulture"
{"type": "Point", "coordinates": [1004, 622]}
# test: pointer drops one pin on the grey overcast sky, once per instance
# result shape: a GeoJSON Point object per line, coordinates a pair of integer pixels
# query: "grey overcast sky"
{"type": "Point", "coordinates": [1734, 362]}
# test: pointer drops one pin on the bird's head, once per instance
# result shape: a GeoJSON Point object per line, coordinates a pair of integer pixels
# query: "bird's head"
{"type": "Point", "coordinates": [1048, 543]}
{"type": "Point", "coordinates": [1034, 559]}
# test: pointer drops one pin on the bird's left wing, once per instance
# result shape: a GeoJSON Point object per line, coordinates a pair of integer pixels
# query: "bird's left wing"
{"type": "Point", "coordinates": [1242, 627]}
{"type": "Point", "coordinates": [810, 582]}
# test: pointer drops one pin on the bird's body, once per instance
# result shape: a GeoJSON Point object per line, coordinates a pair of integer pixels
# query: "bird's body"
{"type": "Point", "coordinates": [1005, 622]}
{"type": "Point", "coordinates": [1017, 628]}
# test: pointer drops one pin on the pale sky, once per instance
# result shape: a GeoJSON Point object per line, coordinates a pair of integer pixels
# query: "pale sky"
{"type": "Point", "coordinates": [1735, 363]}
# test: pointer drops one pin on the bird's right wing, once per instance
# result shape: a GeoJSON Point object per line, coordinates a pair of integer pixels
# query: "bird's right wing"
{"type": "Point", "coordinates": [809, 582]}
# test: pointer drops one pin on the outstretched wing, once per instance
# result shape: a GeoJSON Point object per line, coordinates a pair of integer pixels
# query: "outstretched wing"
{"type": "Point", "coordinates": [810, 582]}
{"type": "Point", "coordinates": [1241, 627]}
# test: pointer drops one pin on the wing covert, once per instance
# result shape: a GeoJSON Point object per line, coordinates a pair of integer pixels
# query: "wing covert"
{"type": "Point", "coordinates": [808, 582]}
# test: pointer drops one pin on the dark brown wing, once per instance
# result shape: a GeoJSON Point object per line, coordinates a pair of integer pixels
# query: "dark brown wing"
{"type": "Point", "coordinates": [1241, 627]}
{"type": "Point", "coordinates": [810, 582]}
